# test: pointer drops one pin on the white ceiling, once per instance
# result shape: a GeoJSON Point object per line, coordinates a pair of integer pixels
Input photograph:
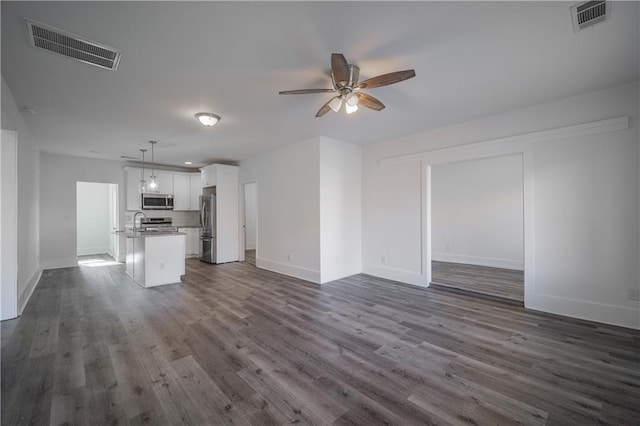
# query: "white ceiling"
{"type": "Point", "coordinates": [472, 59]}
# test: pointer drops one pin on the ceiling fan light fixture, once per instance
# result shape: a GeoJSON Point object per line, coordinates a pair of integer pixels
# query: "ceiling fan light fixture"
{"type": "Point", "coordinates": [335, 103]}
{"type": "Point", "coordinates": [207, 118]}
{"type": "Point", "coordinates": [350, 108]}
{"type": "Point", "coordinates": [352, 99]}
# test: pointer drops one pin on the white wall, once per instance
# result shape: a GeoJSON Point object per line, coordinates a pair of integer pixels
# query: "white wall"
{"type": "Point", "coordinates": [93, 215]}
{"type": "Point", "coordinates": [250, 215]}
{"type": "Point", "coordinates": [477, 214]}
{"type": "Point", "coordinates": [8, 226]}
{"type": "Point", "coordinates": [28, 199]}
{"type": "Point", "coordinates": [581, 203]}
{"type": "Point", "coordinates": [288, 181]}
{"type": "Point", "coordinates": [308, 209]}
{"type": "Point", "coordinates": [340, 209]}
{"type": "Point", "coordinates": [58, 222]}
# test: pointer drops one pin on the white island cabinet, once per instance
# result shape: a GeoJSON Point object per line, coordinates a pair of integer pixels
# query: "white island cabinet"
{"type": "Point", "coordinates": [154, 260]}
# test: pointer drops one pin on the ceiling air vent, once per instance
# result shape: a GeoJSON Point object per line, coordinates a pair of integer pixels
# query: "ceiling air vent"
{"type": "Point", "coordinates": [72, 46]}
{"type": "Point", "coordinates": [589, 13]}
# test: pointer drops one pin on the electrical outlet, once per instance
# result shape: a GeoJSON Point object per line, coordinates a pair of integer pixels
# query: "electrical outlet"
{"type": "Point", "coordinates": [633, 294]}
{"type": "Point", "coordinates": [383, 259]}
{"type": "Point", "coordinates": [161, 266]}
{"type": "Point", "coordinates": [288, 256]}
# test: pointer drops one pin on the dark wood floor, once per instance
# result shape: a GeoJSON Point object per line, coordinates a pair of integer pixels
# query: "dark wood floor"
{"type": "Point", "coordinates": [237, 345]}
{"type": "Point", "coordinates": [495, 282]}
{"type": "Point", "coordinates": [250, 256]}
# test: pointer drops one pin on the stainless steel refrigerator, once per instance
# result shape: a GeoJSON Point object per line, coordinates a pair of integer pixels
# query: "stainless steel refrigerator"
{"type": "Point", "coordinates": [208, 222]}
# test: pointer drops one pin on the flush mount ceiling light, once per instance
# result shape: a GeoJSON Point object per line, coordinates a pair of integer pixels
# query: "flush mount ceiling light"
{"type": "Point", "coordinates": [207, 118]}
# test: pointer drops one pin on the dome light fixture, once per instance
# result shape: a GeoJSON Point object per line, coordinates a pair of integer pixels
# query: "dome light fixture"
{"type": "Point", "coordinates": [207, 118]}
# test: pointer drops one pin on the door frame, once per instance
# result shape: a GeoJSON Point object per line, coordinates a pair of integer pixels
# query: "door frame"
{"type": "Point", "coordinates": [243, 226]}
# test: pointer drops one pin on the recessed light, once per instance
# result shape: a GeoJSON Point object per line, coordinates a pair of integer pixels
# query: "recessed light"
{"type": "Point", "coordinates": [207, 118]}
{"type": "Point", "coordinates": [188, 162]}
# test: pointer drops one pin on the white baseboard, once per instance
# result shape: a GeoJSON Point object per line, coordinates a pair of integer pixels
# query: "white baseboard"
{"type": "Point", "coordinates": [250, 246]}
{"type": "Point", "coordinates": [291, 270]}
{"type": "Point", "coordinates": [401, 275]}
{"type": "Point", "coordinates": [609, 314]}
{"type": "Point", "coordinates": [87, 251]}
{"type": "Point", "coordinates": [69, 262]}
{"type": "Point", "coordinates": [343, 272]}
{"type": "Point", "coordinates": [24, 297]}
{"type": "Point", "coordinates": [492, 262]}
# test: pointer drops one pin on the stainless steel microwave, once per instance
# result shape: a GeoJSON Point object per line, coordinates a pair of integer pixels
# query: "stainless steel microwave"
{"type": "Point", "coordinates": [157, 202]}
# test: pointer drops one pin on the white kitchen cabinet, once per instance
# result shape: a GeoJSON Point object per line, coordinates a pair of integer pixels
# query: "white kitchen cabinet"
{"type": "Point", "coordinates": [196, 191]}
{"type": "Point", "coordinates": [181, 191]}
{"type": "Point", "coordinates": [209, 175]}
{"type": "Point", "coordinates": [132, 182]}
{"type": "Point", "coordinates": [187, 190]}
{"type": "Point", "coordinates": [165, 182]}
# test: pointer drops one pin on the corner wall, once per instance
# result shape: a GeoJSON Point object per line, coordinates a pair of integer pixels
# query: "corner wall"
{"type": "Point", "coordinates": [340, 209]}
{"type": "Point", "coordinates": [29, 266]}
{"type": "Point", "coordinates": [288, 209]}
{"type": "Point", "coordinates": [581, 241]}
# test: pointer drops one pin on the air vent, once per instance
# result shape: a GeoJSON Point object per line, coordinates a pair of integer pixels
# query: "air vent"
{"type": "Point", "coordinates": [72, 46]}
{"type": "Point", "coordinates": [589, 13]}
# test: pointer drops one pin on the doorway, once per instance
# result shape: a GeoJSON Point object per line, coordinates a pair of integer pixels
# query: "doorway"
{"type": "Point", "coordinates": [477, 227]}
{"type": "Point", "coordinates": [97, 217]}
{"type": "Point", "coordinates": [250, 222]}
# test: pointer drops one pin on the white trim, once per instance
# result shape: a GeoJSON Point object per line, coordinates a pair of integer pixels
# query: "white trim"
{"type": "Point", "coordinates": [28, 291]}
{"type": "Point", "coordinates": [290, 270]}
{"type": "Point", "coordinates": [70, 262]}
{"type": "Point", "coordinates": [492, 262]}
{"type": "Point", "coordinates": [609, 314]}
{"type": "Point", "coordinates": [345, 271]}
{"type": "Point", "coordinates": [395, 274]}
{"type": "Point", "coordinates": [584, 129]}
{"type": "Point", "coordinates": [251, 246]}
{"type": "Point", "coordinates": [87, 251]}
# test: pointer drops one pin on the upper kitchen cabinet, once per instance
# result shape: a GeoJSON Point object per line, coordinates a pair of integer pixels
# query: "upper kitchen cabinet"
{"type": "Point", "coordinates": [186, 191]}
{"type": "Point", "coordinates": [132, 181]}
{"type": "Point", "coordinates": [196, 190]}
{"type": "Point", "coordinates": [208, 174]}
{"type": "Point", "coordinates": [181, 191]}
{"type": "Point", "coordinates": [165, 182]}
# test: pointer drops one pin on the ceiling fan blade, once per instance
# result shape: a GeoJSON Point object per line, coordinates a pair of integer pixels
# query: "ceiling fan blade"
{"type": "Point", "coordinates": [369, 102]}
{"type": "Point", "coordinates": [305, 91]}
{"type": "Point", "coordinates": [387, 79]}
{"type": "Point", "coordinates": [326, 107]}
{"type": "Point", "coordinates": [340, 69]}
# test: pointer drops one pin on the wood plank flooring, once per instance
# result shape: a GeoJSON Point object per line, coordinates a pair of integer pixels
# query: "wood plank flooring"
{"type": "Point", "coordinates": [495, 282]}
{"type": "Point", "coordinates": [234, 344]}
{"type": "Point", "coordinates": [250, 256]}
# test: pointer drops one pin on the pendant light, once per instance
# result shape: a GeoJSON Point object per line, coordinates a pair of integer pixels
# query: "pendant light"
{"type": "Point", "coordinates": [143, 183]}
{"type": "Point", "coordinates": [153, 180]}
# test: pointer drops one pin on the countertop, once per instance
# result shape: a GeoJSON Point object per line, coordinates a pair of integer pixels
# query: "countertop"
{"type": "Point", "coordinates": [146, 234]}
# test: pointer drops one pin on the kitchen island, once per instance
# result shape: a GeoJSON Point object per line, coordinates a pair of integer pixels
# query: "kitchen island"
{"type": "Point", "coordinates": [155, 258]}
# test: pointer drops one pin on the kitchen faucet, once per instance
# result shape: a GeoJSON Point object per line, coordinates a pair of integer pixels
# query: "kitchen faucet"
{"type": "Point", "coordinates": [134, 219]}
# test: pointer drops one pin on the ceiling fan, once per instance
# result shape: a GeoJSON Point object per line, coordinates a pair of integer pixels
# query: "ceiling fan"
{"type": "Point", "coordinates": [344, 77]}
